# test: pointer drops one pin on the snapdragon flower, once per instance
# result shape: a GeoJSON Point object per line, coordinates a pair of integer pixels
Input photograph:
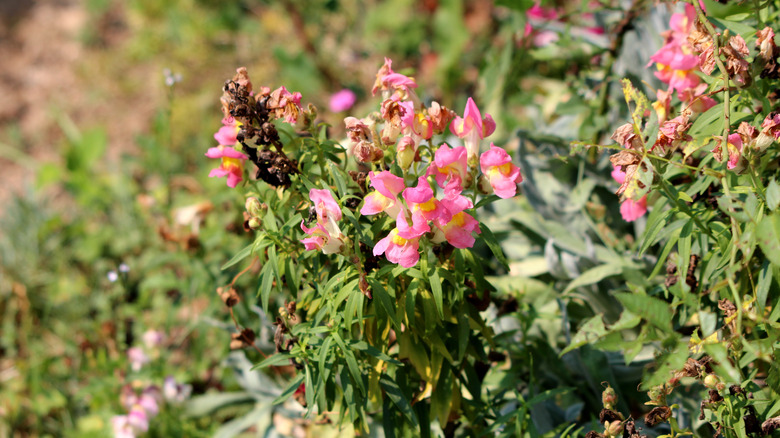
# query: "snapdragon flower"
{"type": "Point", "coordinates": [630, 210]}
{"type": "Point", "coordinates": [424, 206]}
{"type": "Point", "coordinates": [472, 127]}
{"type": "Point", "coordinates": [130, 425]}
{"type": "Point", "coordinates": [285, 104]}
{"type": "Point", "coordinates": [502, 174]}
{"type": "Point", "coordinates": [385, 196]}
{"type": "Point", "coordinates": [232, 165]}
{"type": "Point", "coordinates": [326, 234]}
{"type": "Point", "coordinates": [450, 168]}
{"type": "Point", "coordinates": [459, 229]}
{"type": "Point", "coordinates": [402, 245]}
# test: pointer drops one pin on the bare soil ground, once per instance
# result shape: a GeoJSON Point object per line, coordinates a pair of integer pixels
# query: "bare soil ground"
{"type": "Point", "coordinates": [43, 80]}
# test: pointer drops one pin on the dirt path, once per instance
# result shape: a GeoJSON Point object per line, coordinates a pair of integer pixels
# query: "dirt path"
{"type": "Point", "coordinates": [43, 79]}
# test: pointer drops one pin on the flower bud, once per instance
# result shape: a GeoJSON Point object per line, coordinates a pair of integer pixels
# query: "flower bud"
{"type": "Point", "coordinates": [613, 429]}
{"type": "Point", "coordinates": [711, 381]}
{"type": "Point", "coordinates": [609, 398]}
{"type": "Point", "coordinates": [763, 142]}
{"type": "Point", "coordinates": [406, 152]}
{"type": "Point", "coordinates": [253, 206]}
{"type": "Point", "coordinates": [254, 223]}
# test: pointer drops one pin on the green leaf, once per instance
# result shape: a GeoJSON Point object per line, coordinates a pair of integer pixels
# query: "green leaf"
{"type": "Point", "coordinates": [492, 243]}
{"type": "Point", "coordinates": [372, 351]}
{"type": "Point", "coordinates": [385, 302]}
{"type": "Point", "coordinates": [354, 369]}
{"type": "Point", "coordinates": [768, 233]}
{"type": "Point", "coordinates": [594, 275]}
{"type": "Point", "coordinates": [734, 26]}
{"type": "Point", "coordinates": [208, 403]}
{"type": "Point", "coordinates": [266, 283]}
{"type": "Point", "coordinates": [773, 195]}
{"type": "Point", "coordinates": [290, 388]}
{"type": "Point", "coordinates": [591, 331]}
{"type": "Point", "coordinates": [654, 310]}
{"type": "Point", "coordinates": [399, 400]}
{"type": "Point", "coordinates": [435, 282]}
{"type": "Point", "coordinates": [274, 360]}
{"type": "Point", "coordinates": [241, 255]}
{"type": "Point", "coordinates": [706, 124]}
{"type": "Point", "coordinates": [764, 283]}
{"type": "Point", "coordinates": [655, 224]}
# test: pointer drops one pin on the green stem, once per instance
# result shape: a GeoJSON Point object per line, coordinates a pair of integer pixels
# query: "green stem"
{"type": "Point", "coordinates": [685, 209]}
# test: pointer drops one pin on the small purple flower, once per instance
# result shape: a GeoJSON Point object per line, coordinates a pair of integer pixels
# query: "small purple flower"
{"type": "Point", "coordinates": [175, 392]}
{"type": "Point", "coordinates": [123, 268]}
{"type": "Point", "coordinates": [112, 276]}
{"type": "Point", "coordinates": [342, 100]}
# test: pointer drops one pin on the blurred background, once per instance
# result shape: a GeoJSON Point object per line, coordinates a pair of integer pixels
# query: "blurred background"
{"type": "Point", "coordinates": [112, 236]}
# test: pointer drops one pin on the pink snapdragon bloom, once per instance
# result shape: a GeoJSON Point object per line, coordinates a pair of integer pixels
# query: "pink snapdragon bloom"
{"type": "Point", "coordinates": [326, 234]}
{"type": "Point", "coordinates": [402, 245]}
{"type": "Point", "coordinates": [153, 339]}
{"type": "Point", "coordinates": [735, 153]}
{"type": "Point", "coordinates": [502, 174]}
{"type": "Point", "coordinates": [450, 168]}
{"type": "Point", "coordinates": [472, 127]}
{"type": "Point", "coordinates": [285, 104]}
{"type": "Point", "coordinates": [771, 125]}
{"type": "Point", "coordinates": [537, 16]}
{"type": "Point", "coordinates": [677, 63]}
{"type": "Point", "coordinates": [130, 425]}
{"type": "Point", "coordinates": [232, 164]}
{"type": "Point", "coordinates": [401, 85]}
{"type": "Point", "coordinates": [137, 358]}
{"type": "Point", "coordinates": [326, 207]}
{"type": "Point", "coordinates": [342, 100]}
{"type": "Point", "coordinates": [226, 136]}
{"type": "Point", "coordinates": [385, 196]}
{"type": "Point", "coordinates": [320, 239]}
{"type": "Point", "coordinates": [386, 69]}
{"type": "Point", "coordinates": [149, 401]}
{"type": "Point", "coordinates": [418, 124]}
{"type": "Point", "coordinates": [424, 206]}
{"type": "Point", "coordinates": [458, 231]}
{"type": "Point", "coordinates": [630, 210]}
{"type": "Point", "coordinates": [675, 67]}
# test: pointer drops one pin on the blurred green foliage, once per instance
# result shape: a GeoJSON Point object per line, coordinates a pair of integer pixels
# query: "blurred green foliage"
{"type": "Point", "coordinates": [65, 328]}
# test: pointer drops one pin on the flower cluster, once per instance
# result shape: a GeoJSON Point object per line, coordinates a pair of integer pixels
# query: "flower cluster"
{"type": "Point", "coordinates": [541, 20]}
{"type": "Point", "coordinates": [688, 52]}
{"type": "Point", "coordinates": [249, 115]}
{"type": "Point", "coordinates": [677, 63]}
{"type": "Point", "coordinates": [404, 128]}
{"type": "Point", "coordinates": [325, 235]}
{"type": "Point", "coordinates": [142, 406]}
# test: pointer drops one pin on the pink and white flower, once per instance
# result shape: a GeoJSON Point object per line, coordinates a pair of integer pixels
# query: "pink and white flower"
{"type": "Point", "coordinates": [502, 174]}
{"type": "Point", "coordinates": [232, 165]}
{"type": "Point", "coordinates": [472, 127]}
{"type": "Point", "coordinates": [326, 234]}
{"type": "Point", "coordinates": [461, 226]}
{"type": "Point", "coordinates": [402, 245]}
{"type": "Point", "coordinates": [385, 196]}
{"type": "Point", "coordinates": [630, 210]}
{"type": "Point", "coordinates": [424, 206]}
{"type": "Point", "coordinates": [450, 169]}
